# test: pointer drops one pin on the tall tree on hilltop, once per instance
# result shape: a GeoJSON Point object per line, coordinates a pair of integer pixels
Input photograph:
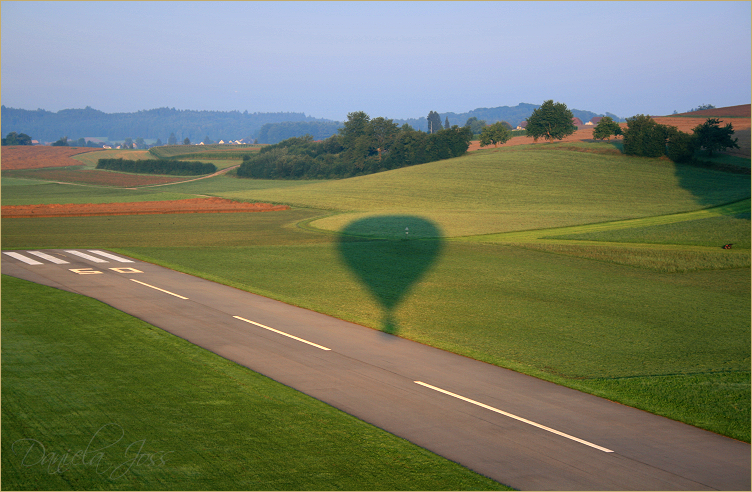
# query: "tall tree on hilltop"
{"type": "Point", "coordinates": [551, 121]}
{"type": "Point", "coordinates": [434, 122]}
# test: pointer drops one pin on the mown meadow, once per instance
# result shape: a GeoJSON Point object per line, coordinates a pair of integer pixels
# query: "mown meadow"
{"type": "Point", "coordinates": [572, 263]}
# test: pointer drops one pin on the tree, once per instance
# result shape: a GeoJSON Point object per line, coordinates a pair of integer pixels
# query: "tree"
{"type": "Point", "coordinates": [81, 142]}
{"type": "Point", "coordinates": [701, 107]}
{"type": "Point", "coordinates": [140, 144]}
{"type": "Point", "coordinates": [551, 121]}
{"type": "Point", "coordinates": [62, 142]}
{"type": "Point", "coordinates": [476, 126]}
{"type": "Point", "coordinates": [14, 138]}
{"type": "Point", "coordinates": [434, 122]}
{"type": "Point", "coordinates": [712, 137]}
{"type": "Point", "coordinates": [187, 141]}
{"type": "Point", "coordinates": [207, 140]}
{"type": "Point", "coordinates": [495, 134]}
{"type": "Point", "coordinates": [605, 128]}
{"type": "Point", "coordinates": [383, 132]}
{"type": "Point", "coordinates": [128, 143]}
{"type": "Point", "coordinates": [644, 137]}
{"type": "Point", "coordinates": [681, 146]}
{"type": "Point", "coordinates": [355, 127]}
{"type": "Point", "coordinates": [446, 123]}
{"type": "Point", "coordinates": [159, 142]}
{"type": "Point", "coordinates": [173, 140]}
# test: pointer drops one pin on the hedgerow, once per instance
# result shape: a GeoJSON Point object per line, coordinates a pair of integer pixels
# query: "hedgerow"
{"type": "Point", "coordinates": [153, 166]}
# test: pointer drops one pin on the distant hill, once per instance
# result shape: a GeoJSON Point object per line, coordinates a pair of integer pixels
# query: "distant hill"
{"type": "Point", "coordinates": [47, 126]}
{"type": "Point", "coordinates": [513, 115]}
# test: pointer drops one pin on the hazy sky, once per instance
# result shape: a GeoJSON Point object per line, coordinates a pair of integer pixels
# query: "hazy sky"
{"type": "Point", "coordinates": [390, 59]}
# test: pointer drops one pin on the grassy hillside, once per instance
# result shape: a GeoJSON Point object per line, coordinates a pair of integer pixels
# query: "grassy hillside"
{"type": "Point", "coordinates": [519, 188]}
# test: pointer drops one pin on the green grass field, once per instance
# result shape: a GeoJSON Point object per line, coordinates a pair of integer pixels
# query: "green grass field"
{"type": "Point", "coordinates": [217, 151]}
{"type": "Point", "coordinates": [574, 264]}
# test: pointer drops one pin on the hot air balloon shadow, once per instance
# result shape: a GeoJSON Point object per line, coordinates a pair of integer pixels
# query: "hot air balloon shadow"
{"type": "Point", "coordinates": [389, 255]}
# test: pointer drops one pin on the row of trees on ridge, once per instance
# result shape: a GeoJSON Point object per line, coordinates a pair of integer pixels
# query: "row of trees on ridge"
{"type": "Point", "coordinates": [362, 146]}
{"type": "Point", "coordinates": [645, 137]}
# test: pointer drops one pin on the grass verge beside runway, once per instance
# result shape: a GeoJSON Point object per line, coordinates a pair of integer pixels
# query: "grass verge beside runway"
{"type": "Point", "coordinates": [120, 405]}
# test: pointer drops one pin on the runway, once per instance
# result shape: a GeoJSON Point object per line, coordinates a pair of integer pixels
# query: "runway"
{"type": "Point", "coordinates": [519, 430]}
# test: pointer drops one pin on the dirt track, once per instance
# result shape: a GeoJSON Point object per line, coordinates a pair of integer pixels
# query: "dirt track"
{"type": "Point", "coordinates": [188, 206]}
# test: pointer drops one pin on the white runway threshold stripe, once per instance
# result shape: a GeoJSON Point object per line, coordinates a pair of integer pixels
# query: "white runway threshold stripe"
{"type": "Point", "coordinates": [110, 256]}
{"type": "Point", "coordinates": [282, 333]}
{"type": "Point", "coordinates": [49, 258]}
{"type": "Point", "coordinates": [85, 256]}
{"type": "Point", "coordinates": [23, 258]}
{"type": "Point", "coordinates": [510, 415]}
{"type": "Point", "coordinates": [157, 288]}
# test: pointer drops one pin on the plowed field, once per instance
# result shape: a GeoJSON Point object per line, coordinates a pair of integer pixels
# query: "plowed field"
{"type": "Point", "coordinates": [38, 156]}
{"type": "Point", "coordinates": [188, 206]}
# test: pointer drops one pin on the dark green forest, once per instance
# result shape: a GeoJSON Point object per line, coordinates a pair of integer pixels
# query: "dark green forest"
{"type": "Point", "coordinates": [362, 146]}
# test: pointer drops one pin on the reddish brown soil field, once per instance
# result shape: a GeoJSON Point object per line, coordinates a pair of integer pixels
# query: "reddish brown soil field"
{"type": "Point", "coordinates": [37, 156]}
{"type": "Point", "coordinates": [188, 206]}
{"type": "Point", "coordinates": [686, 124]}
{"type": "Point", "coordinates": [738, 116]}
{"type": "Point", "coordinates": [741, 110]}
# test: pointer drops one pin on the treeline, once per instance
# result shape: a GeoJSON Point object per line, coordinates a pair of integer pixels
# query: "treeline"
{"type": "Point", "coordinates": [272, 133]}
{"type": "Point", "coordinates": [362, 146]}
{"type": "Point", "coordinates": [645, 137]}
{"type": "Point", "coordinates": [153, 166]}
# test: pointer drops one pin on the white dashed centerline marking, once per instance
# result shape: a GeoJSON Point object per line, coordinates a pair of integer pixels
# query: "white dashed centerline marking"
{"type": "Point", "coordinates": [157, 288]}
{"type": "Point", "coordinates": [510, 415]}
{"type": "Point", "coordinates": [282, 333]}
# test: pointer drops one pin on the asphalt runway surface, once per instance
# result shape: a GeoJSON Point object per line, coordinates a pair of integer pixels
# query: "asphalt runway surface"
{"type": "Point", "coordinates": [516, 429]}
